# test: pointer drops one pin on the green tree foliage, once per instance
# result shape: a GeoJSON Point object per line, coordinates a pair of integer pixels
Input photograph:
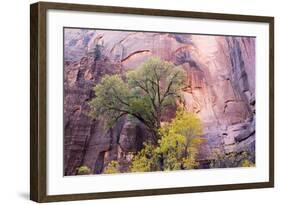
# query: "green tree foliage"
{"type": "Point", "coordinates": [112, 95]}
{"type": "Point", "coordinates": [159, 82]}
{"type": "Point", "coordinates": [177, 149]}
{"type": "Point", "coordinates": [112, 167]}
{"type": "Point", "coordinates": [144, 94]}
{"type": "Point", "coordinates": [83, 170]}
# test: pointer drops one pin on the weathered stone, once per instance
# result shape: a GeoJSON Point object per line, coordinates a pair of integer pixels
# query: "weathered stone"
{"type": "Point", "coordinates": [240, 137]}
{"type": "Point", "coordinates": [230, 148]}
{"type": "Point", "coordinates": [244, 135]}
{"type": "Point", "coordinates": [235, 112]}
{"type": "Point", "coordinates": [237, 127]}
{"type": "Point", "coordinates": [228, 140]}
{"type": "Point", "coordinates": [131, 138]}
{"type": "Point", "coordinates": [219, 87]}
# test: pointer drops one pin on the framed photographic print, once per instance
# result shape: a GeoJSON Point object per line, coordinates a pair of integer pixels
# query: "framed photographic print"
{"type": "Point", "coordinates": [134, 102]}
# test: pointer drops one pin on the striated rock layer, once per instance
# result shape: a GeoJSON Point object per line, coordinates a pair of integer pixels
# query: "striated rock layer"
{"type": "Point", "coordinates": [219, 87]}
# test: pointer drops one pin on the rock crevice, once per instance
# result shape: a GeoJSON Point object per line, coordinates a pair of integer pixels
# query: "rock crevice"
{"type": "Point", "coordinates": [219, 87]}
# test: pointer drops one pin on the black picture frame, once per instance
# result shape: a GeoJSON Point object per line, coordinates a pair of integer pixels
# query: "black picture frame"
{"type": "Point", "coordinates": [38, 101]}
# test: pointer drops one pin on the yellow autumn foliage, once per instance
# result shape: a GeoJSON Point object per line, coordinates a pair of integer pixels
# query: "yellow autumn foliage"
{"type": "Point", "coordinates": [83, 170]}
{"type": "Point", "coordinates": [176, 149]}
{"type": "Point", "coordinates": [112, 167]}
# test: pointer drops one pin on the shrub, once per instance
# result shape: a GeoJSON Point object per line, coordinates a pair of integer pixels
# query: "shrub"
{"type": "Point", "coordinates": [112, 167]}
{"type": "Point", "coordinates": [146, 160]}
{"type": "Point", "coordinates": [83, 170]}
{"type": "Point", "coordinates": [247, 163]}
{"type": "Point", "coordinates": [234, 159]}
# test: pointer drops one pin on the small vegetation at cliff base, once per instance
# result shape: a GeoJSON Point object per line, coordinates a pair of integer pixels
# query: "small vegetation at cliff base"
{"type": "Point", "coordinates": [234, 159]}
{"type": "Point", "coordinates": [112, 167]}
{"type": "Point", "coordinates": [83, 170]}
{"type": "Point", "coordinates": [146, 160]}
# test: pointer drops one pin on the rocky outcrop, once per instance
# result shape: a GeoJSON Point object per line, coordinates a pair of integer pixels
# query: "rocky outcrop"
{"type": "Point", "coordinates": [219, 87]}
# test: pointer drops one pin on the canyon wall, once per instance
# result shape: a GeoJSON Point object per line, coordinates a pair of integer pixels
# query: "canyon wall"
{"type": "Point", "coordinates": [219, 87]}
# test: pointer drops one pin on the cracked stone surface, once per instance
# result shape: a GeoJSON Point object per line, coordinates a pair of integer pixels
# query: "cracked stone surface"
{"type": "Point", "coordinates": [219, 87]}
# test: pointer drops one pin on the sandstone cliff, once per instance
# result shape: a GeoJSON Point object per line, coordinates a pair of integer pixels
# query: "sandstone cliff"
{"type": "Point", "coordinates": [220, 88]}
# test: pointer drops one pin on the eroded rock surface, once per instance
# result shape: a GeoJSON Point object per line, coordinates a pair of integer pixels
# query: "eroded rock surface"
{"type": "Point", "coordinates": [219, 87]}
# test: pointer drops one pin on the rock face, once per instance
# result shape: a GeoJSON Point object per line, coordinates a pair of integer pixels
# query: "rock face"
{"type": "Point", "coordinates": [219, 87]}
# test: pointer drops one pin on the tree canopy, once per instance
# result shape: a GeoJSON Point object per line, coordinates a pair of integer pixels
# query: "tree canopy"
{"type": "Point", "coordinates": [144, 93]}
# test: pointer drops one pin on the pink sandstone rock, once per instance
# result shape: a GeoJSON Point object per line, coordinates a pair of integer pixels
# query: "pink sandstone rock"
{"type": "Point", "coordinates": [219, 87]}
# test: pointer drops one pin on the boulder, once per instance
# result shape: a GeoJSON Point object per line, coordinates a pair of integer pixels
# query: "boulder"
{"type": "Point", "coordinates": [131, 138]}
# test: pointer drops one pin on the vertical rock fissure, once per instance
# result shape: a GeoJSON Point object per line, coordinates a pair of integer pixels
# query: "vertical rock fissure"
{"type": "Point", "coordinates": [219, 88]}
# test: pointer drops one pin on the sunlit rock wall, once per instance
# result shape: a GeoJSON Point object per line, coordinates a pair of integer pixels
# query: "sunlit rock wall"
{"type": "Point", "coordinates": [219, 87]}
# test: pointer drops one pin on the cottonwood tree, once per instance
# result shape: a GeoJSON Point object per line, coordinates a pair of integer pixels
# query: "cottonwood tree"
{"type": "Point", "coordinates": [144, 94]}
